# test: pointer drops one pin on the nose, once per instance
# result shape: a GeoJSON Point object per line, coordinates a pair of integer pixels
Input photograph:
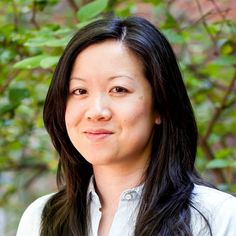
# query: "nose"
{"type": "Point", "coordinates": [98, 109]}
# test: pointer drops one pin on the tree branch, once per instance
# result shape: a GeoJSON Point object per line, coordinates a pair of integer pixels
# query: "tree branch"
{"type": "Point", "coordinates": [15, 14]}
{"type": "Point", "coordinates": [12, 166]}
{"type": "Point", "coordinates": [221, 13]}
{"type": "Point", "coordinates": [7, 82]}
{"type": "Point", "coordinates": [73, 5]}
{"type": "Point", "coordinates": [33, 18]}
{"type": "Point", "coordinates": [219, 110]}
{"type": "Point", "coordinates": [218, 10]}
{"type": "Point", "coordinates": [203, 140]}
{"type": "Point", "coordinates": [34, 177]}
{"type": "Point", "coordinates": [218, 173]}
{"type": "Point", "coordinates": [205, 25]}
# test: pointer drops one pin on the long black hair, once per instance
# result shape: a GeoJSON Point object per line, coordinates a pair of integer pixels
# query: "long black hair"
{"type": "Point", "coordinates": [170, 176]}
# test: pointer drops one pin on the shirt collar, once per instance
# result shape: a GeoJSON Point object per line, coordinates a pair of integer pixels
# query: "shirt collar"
{"type": "Point", "coordinates": [128, 195]}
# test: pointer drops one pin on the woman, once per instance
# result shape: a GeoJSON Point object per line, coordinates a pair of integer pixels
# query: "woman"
{"type": "Point", "coordinates": [120, 118]}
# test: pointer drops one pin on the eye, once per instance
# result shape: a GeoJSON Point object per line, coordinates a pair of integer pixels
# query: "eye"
{"type": "Point", "coordinates": [119, 90]}
{"type": "Point", "coordinates": [79, 91]}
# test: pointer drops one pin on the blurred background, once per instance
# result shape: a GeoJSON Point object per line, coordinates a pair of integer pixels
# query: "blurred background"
{"type": "Point", "coordinates": [33, 34]}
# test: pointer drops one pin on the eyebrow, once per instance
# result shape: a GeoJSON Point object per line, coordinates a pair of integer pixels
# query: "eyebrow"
{"type": "Point", "coordinates": [109, 79]}
{"type": "Point", "coordinates": [76, 78]}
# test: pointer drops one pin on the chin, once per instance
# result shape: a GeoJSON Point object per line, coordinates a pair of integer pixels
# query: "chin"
{"type": "Point", "coordinates": [100, 161]}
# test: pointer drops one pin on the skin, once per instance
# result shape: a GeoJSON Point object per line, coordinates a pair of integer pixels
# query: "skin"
{"type": "Point", "coordinates": [110, 119]}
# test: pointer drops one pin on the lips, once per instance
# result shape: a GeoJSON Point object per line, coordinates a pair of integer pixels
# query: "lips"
{"type": "Point", "coordinates": [97, 134]}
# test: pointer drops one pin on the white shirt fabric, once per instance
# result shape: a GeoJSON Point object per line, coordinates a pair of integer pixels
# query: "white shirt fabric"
{"type": "Point", "coordinates": [125, 217]}
{"type": "Point", "coordinates": [218, 207]}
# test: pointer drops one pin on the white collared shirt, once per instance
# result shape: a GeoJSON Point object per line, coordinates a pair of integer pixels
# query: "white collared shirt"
{"type": "Point", "coordinates": [218, 207]}
{"type": "Point", "coordinates": [125, 216]}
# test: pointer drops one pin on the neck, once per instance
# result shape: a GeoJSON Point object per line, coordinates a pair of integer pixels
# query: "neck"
{"type": "Point", "coordinates": [111, 182]}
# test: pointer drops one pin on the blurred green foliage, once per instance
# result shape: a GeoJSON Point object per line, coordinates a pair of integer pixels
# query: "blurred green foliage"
{"type": "Point", "coordinates": [33, 34]}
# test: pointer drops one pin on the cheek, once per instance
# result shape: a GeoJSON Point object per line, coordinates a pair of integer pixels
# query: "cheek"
{"type": "Point", "coordinates": [72, 114]}
{"type": "Point", "coordinates": [138, 112]}
{"type": "Point", "coordinates": [69, 114]}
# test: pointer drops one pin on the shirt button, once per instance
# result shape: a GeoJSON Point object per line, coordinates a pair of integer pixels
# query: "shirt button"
{"type": "Point", "coordinates": [128, 196]}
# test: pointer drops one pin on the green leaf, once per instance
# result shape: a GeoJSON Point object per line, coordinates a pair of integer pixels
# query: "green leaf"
{"type": "Point", "coordinates": [48, 42]}
{"type": "Point", "coordinates": [82, 24]}
{"type": "Point", "coordinates": [173, 36]}
{"type": "Point", "coordinates": [222, 153]}
{"type": "Point", "coordinates": [227, 48]}
{"type": "Point", "coordinates": [220, 163]}
{"type": "Point", "coordinates": [17, 94]}
{"type": "Point", "coordinates": [124, 10]}
{"type": "Point", "coordinates": [63, 31]}
{"type": "Point", "coordinates": [233, 164]}
{"type": "Point", "coordinates": [154, 2]}
{"type": "Point", "coordinates": [30, 63]}
{"type": "Point", "coordinates": [49, 61]}
{"type": "Point", "coordinates": [58, 42]}
{"type": "Point", "coordinates": [225, 61]}
{"type": "Point", "coordinates": [36, 42]}
{"type": "Point", "coordinates": [8, 108]}
{"type": "Point", "coordinates": [91, 10]}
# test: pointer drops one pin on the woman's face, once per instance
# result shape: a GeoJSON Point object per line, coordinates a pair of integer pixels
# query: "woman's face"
{"type": "Point", "coordinates": [109, 114]}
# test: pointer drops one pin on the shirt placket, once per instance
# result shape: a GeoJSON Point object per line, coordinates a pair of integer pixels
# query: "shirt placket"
{"type": "Point", "coordinates": [125, 217]}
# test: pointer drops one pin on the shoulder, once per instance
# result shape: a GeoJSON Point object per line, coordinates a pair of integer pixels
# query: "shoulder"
{"type": "Point", "coordinates": [31, 219]}
{"type": "Point", "coordinates": [218, 207]}
{"type": "Point", "coordinates": [211, 198]}
{"type": "Point", "coordinates": [205, 192]}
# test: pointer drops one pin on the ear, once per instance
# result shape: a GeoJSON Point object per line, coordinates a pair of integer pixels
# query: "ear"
{"type": "Point", "coordinates": [158, 119]}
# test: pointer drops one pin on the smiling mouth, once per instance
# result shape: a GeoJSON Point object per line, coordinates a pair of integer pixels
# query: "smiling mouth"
{"type": "Point", "coordinates": [97, 135]}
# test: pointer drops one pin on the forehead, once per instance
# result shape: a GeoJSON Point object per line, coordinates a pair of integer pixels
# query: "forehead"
{"type": "Point", "coordinates": [110, 56]}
